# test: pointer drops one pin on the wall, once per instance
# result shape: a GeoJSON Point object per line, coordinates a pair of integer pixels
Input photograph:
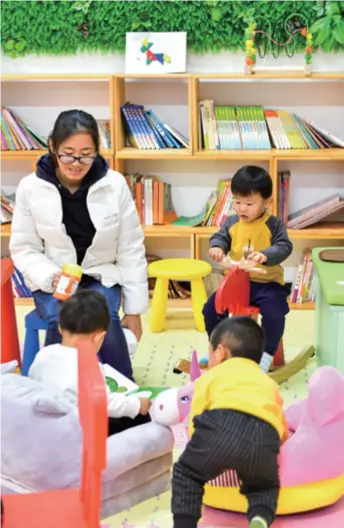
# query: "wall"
{"type": "Point", "coordinates": [321, 101]}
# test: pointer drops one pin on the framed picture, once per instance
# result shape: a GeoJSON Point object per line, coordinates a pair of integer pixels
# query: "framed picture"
{"type": "Point", "coordinates": [155, 53]}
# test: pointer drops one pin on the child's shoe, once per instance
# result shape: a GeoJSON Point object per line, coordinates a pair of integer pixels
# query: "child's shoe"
{"type": "Point", "coordinates": [258, 522]}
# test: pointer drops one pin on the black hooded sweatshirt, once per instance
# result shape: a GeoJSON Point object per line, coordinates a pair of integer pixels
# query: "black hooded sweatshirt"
{"type": "Point", "coordinates": [76, 217]}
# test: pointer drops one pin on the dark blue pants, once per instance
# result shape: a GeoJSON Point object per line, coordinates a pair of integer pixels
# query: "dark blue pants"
{"type": "Point", "coordinates": [114, 350]}
{"type": "Point", "coordinates": [271, 299]}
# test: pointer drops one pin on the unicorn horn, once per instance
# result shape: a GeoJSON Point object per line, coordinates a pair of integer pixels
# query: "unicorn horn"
{"type": "Point", "coordinates": [195, 371]}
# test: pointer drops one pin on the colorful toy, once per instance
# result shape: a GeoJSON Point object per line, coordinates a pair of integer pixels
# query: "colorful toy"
{"type": "Point", "coordinates": [151, 56]}
{"type": "Point", "coordinates": [243, 264]}
{"type": "Point", "coordinates": [311, 460]}
{"type": "Point", "coordinates": [260, 40]}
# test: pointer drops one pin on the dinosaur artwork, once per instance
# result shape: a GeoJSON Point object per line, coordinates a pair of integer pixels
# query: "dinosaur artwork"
{"type": "Point", "coordinates": [155, 53]}
{"type": "Point", "coordinates": [162, 58]}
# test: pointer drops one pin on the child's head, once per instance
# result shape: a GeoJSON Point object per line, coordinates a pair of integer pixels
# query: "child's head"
{"type": "Point", "coordinates": [238, 336]}
{"type": "Point", "coordinates": [85, 314]}
{"type": "Point", "coordinates": [252, 190]}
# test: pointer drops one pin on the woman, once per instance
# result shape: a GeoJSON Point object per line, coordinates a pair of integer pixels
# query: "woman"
{"type": "Point", "coordinates": [75, 209]}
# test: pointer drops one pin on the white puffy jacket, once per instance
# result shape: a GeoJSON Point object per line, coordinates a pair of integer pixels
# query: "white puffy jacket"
{"type": "Point", "coordinates": [40, 246]}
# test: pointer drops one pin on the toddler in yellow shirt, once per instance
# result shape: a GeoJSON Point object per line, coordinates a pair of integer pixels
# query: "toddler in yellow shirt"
{"type": "Point", "coordinates": [238, 424]}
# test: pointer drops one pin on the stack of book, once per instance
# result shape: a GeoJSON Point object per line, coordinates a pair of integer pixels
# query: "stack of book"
{"type": "Point", "coordinates": [7, 206]}
{"type": "Point", "coordinates": [16, 135]}
{"type": "Point", "coordinates": [289, 131]}
{"type": "Point", "coordinates": [18, 285]}
{"type": "Point", "coordinates": [176, 289]}
{"type": "Point", "coordinates": [283, 192]}
{"type": "Point", "coordinates": [220, 205]}
{"type": "Point", "coordinates": [104, 133]}
{"type": "Point", "coordinates": [146, 131]}
{"type": "Point", "coordinates": [314, 213]}
{"type": "Point", "coordinates": [304, 286]}
{"type": "Point", "coordinates": [153, 199]}
{"type": "Point", "coordinates": [253, 128]}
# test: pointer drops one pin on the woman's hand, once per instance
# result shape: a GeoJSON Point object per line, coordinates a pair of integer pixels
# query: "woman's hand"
{"type": "Point", "coordinates": [133, 323]}
{"type": "Point", "coordinates": [56, 280]}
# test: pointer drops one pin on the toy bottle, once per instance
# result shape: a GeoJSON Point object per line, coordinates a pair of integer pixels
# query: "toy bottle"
{"type": "Point", "coordinates": [68, 282]}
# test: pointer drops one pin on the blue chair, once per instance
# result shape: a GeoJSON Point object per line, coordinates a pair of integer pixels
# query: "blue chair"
{"type": "Point", "coordinates": [33, 323]}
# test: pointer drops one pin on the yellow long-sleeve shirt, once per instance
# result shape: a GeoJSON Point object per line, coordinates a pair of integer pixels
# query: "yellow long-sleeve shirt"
{"type": "Point", "coordinates": [267, 234]}
{"type": "Point", "coordinates": [240, 385]}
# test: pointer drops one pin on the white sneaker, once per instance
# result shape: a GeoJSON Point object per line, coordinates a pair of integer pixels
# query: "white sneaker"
{"type": "Point", "coordinates": [258, 522]}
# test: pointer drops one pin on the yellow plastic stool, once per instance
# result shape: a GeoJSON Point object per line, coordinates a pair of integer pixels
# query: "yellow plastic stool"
{"type": "Point", "coordinates": [180, 269]}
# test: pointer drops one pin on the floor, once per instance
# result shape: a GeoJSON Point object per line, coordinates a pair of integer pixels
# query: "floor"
{"type": "Point", "coordinates": [153, 365]}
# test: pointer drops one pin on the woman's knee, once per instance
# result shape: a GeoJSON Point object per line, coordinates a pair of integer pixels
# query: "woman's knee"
{"type": "Point", "coordinates": [47, 307]}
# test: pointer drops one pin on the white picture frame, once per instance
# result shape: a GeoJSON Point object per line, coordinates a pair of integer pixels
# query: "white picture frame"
{"type": "Point", "coordinates": [155, 53]}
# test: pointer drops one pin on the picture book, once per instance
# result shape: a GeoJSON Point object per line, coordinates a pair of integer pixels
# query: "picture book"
{"type": "Point", "coordinates": [314, 213]}
{"type": "Point", "coordinates": [116, 382]}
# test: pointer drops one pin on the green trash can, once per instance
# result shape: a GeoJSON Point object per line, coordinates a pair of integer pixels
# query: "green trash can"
{"type": "Point", "coordinates": [329, 311]}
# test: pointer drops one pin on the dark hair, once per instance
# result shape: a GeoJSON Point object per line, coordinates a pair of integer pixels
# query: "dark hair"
{"type": "Point", "coordinates": [71, 122]}
{"type": "Point", "coordinates": [241, 335]}
{"type": "Point", "coordinates": [250, 180]}
{"type": "Point", "coordinates": [85, 312]}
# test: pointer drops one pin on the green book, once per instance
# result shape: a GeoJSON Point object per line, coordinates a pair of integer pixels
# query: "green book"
{"type": "Point", "coordinates": [191, 221]}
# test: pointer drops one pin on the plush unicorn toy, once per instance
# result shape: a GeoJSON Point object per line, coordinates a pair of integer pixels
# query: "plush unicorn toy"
{"type": "Point", "coordinates": [172, 406]}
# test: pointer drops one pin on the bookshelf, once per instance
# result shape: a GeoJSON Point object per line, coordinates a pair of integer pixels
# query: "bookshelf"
{"type": "Point", "coordinates": [166, 93]}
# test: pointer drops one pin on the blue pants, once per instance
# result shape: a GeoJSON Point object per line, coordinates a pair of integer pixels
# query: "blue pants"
{"type": "Point", "coordinates": [114, 350]}
{"type": "Point", "coordinates": [271, 299]}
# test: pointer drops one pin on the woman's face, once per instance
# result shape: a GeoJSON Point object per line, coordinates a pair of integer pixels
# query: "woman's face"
{"type": "Point", "coordinates": [81, 146]}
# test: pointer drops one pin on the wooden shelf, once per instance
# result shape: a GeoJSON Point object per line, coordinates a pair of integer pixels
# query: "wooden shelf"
{"type": "Point", "coordinates": [283, 74]}
{"type": "Point", "coordinates": [302, 306]}
{"type": "Point", "coordinates": [240, 155]}
{"type": "Point", "coordinates": [297, 154]}
{"type": "Point", "coordinates": [23, 301]}
{"type": "Point", "coordinates": [168, 230]}
{"type": "Point", "coordinates": [329, 154]}
{"type": "Point", "coordinates": [32, 155]}
{"type": "Point", "coordinates": [9, 77]}
{"type": "Point", "coordinates": [128, 153]}
{"type": "Point", "coordinates": [22, 154]}
{"type": "Point", "coordinates": [5, 230]}
{"type": "Point", "coordinates": [321, 230]}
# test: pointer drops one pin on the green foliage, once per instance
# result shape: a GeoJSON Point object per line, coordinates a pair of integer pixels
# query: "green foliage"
{"type": "Point", "coordinates": [329, 28]}
{"type": "Point", "coordinates": [58, 27]}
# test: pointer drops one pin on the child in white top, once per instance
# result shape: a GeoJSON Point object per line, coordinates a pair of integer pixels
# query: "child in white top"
{"type": "Point", "coordinates": [85, 314]}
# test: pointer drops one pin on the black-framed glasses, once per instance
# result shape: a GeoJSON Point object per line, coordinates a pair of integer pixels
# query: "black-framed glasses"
{"type": "Point", "coordinates": [68, 159]}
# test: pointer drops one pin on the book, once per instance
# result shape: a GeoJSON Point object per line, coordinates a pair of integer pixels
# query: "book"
{"type": "Point", "coordinates": [7, 202]}
{"type": "Point", "coordinates": [191, 221]}
{"type": "Point", "coordinates": [153, 199]}
{"type": "Point", "coordinates": [283, 192]}
{"type": "Point", "coordinates": [304, 284]}
{"type": "Point", "coordinates": [117, 383]}
{"type": "Point", "coordinates": [104, 133]}
{"type": "Point", "coordinates": [16, 135]}
{"type": "Point", "coordinates": [145, 131]}
{"type": "Point", "coordinates": [19, 287]}
{"type": "Point", "coordinates": [313, 213]}
{"type": "Point", "coordinates": [258, 128]}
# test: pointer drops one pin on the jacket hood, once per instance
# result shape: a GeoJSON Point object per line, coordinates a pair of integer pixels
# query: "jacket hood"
{"type": "Point", "coordinates": [45, 170]}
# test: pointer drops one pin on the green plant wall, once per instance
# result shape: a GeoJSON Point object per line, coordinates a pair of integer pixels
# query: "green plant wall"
{"type": "Point", "coordinates": [64, 27]}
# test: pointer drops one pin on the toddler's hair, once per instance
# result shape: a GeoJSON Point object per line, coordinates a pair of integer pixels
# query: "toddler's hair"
{"type": "Point", "coordinates": [241, 335]}
{"type": "Point", "coordinates": [84, 313]}
{"type": "Point", "coordinates": [250, 180]}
